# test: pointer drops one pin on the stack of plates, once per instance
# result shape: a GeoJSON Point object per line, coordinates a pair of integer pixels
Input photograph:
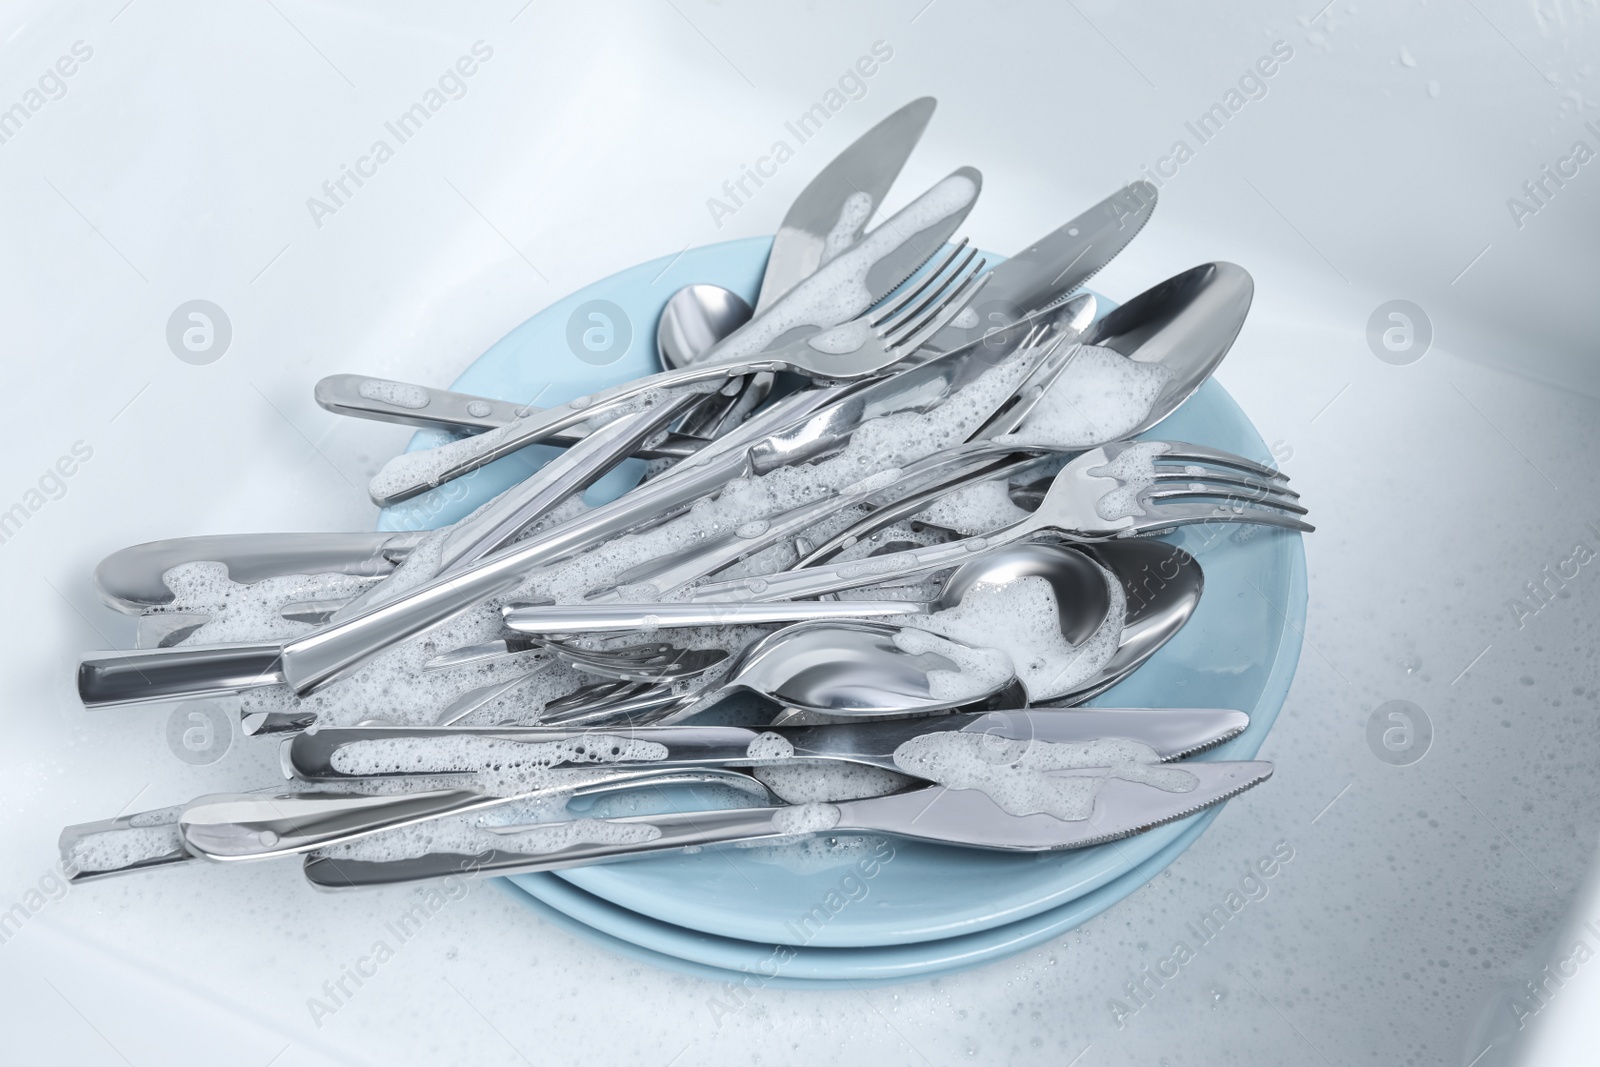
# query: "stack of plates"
{"type": "Point", "coordinates": [877, 911]}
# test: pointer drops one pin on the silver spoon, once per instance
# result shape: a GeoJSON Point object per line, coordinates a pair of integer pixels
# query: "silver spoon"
{"type": "Point", "coordinates": [1161, 587]}
{"type": "Point", "coordinates": [854, 667]}
{"type": "Point", "coordinates": [1186, 323]}
{"type": "Point", "coordinates": [1161, 584]}
{"type": "Point", "coordinates": [695, 318]}
{"type": "Point", "coordinates": [834, 666]}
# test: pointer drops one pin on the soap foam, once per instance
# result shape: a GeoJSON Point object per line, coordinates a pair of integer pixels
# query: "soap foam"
{"type": "Point", "coordinates": [810, 818]}
{"type": "Point", "coordinates": [770, 746]}
{"type": "Point", "coordinates": [975, 509]}
{"type": "Point", "coordinates": [1101, 396]}
{"type": "Point", "coordinates": [400, 394]}
{"type": "Point", "coordinates": [829, 781]}
{"type": "Point", "coordinates": [149, 835]}
{"type": "Point", "coordinates": [1136, 469]}
{"type": "Point", "coordinates": [980, 670]}
{"type": "Point", "coordinates": [1022, 616]}
{"type": "Point", "coordinates": [853, 215]}
{"type": "Point", "coordinates": [498, 765]}
{"type": "Point", "coordinates": [1017, 776]}
{"type": "Point", "coordinates": [471, 837]}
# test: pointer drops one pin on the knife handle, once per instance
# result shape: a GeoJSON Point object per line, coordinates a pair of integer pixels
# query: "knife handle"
{"type": "Point", "coordinates": [564, 845]}
{"type": "Point", "coordinates": [176, 673]}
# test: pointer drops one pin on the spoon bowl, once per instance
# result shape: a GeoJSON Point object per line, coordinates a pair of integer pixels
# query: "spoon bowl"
{"type": "Point", "coordinates": [1186, 323]}
{"type": "Point", "coordinates": [1079, 586]}
{"type": "Point", "coordinates": [1162, 585]}
{"type": "Point", "coordinates": [852, 668]}
{"type": "Point", "coordinates": [695, 318]}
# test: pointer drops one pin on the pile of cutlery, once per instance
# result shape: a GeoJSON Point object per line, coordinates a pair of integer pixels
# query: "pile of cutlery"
{"type": "Point", "coordinates": [843, 481]}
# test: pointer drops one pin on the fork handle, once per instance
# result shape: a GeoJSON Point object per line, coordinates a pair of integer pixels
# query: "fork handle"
{"type": "Point", "coordinates": [837, 577]}
{"type": "Point", "coordinates": [442, 409]}
{"type": "Point", "coordinates": [402, 476]}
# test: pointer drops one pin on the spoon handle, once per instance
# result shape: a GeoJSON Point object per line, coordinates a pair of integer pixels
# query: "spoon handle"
{"type": "Point", "coordinates": [602, 618]}
{"type": "Point", "coordinates": [836, 577]}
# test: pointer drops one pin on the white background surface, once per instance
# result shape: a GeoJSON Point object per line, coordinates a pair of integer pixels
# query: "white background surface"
{"type": "Point", "coordinates": [1377, 166]}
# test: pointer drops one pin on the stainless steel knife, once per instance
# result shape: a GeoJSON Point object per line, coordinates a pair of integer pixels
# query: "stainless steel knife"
{"type": "Point", "coordinates": [831, 212]}
{"type": "Point", "coordinates": [1053, 267]}
{"type": "Point", "coordinates": [939, 814]}
{"type": "Point", "coordinates": [826, 218]}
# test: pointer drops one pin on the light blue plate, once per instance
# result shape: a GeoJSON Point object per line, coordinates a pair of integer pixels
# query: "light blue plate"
{"type": "Point", "coordinates": [725, 959]}
{"type": "Point", "coordinates": [1238, 651]}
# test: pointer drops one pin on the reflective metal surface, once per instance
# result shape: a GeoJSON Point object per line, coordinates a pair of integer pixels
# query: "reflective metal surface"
{"type": "Point", "coordinates": [696, 318]}
{"type": "Point", "coordinates": [934, 813]}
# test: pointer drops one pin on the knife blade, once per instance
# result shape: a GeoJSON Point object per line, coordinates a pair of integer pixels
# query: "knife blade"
{"type": "Point", "coordinates": [830, 213]}
{"type": "Point", "coordinates": [842, 290]}
{"type": "Point", "coordinates": [1054, 266]}
{"type": "Point", "coordinates": [941, 814]}
{"type": "Point", "coordinates": [827, 218]}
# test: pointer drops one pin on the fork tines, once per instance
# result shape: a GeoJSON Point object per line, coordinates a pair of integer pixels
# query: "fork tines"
{"type": "Point", "coordinates": [939, 297]}
{"type": "Point", "coordinates": [1184, 451]}
{"type": "Point", "coordinates": [1224, 481]}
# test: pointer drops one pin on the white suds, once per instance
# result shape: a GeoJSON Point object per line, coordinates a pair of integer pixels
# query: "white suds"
{"type": "Point", "coordinates": [817, 781]}
{"type": "Point", "coordinates": [400, 394]}
{"type": "Point", "coordinates": [1014, 774]}
{"type": "Point", "coordinates": [149, 835]}
{"type": "Point", "coordinates": [806, 818]}
{"type": "Point", "coordinates": [979, 671]}
{"type": "Point", "coordinates": [1022, 616]}
{"type": "Point", "coordinates": [498, 765]}
{"type": "Point", "coordinates": [471, 837]}
{"type": "Point", "coordinates": [853, 215]}
{"type": "Point", "coordinates": [1136, 469]}
{"type": "Point", "coordinates": [975, 509]}
{"type": "Point", "coordinates": [770, 746]}
{"type": "Point", "coordinates": [251, 612]}
{"type": "Point", "coordinates": [1102, 396]}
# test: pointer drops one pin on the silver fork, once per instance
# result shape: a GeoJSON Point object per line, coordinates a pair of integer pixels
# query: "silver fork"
{"type": "Point", "coordinates": [860, 348]}
{"type": "Point", "coordinates": [1124, 489]}
{"type": "Point", "coordinates": [979, 458]}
